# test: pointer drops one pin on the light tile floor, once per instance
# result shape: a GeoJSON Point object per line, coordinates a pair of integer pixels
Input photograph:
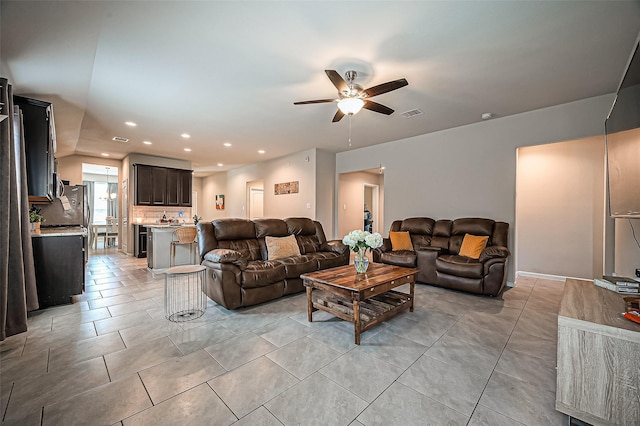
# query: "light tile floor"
{"type": "Point", "coordinates": [112, 358]}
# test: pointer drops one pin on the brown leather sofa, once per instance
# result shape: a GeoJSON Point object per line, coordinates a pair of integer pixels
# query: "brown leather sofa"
{"type": "Point", "coordinates": [235, 254]}
{"type": "Point", "coordinates": [436, 244]}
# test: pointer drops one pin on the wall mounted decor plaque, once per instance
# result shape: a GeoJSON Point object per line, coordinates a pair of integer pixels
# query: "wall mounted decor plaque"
{"type": "Point", "coordinates": [286, 188]}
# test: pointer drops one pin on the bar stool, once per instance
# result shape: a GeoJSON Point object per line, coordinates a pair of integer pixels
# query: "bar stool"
{"type": "Point", "coordinates": [183, 235]}
{"type": "Point", "coordinates": [184, 293]}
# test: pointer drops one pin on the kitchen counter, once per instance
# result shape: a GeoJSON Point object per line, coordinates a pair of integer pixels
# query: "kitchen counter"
{"type": "Point", "coordinates": [159, 247]}
{"type": "Point", "coordinates": [58, 232]}
{"type": "Point", "coordinates": [165, 225]}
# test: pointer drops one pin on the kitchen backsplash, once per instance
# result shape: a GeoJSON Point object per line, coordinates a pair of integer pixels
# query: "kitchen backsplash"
{"type": "Point", "coordinates": [145, 214]}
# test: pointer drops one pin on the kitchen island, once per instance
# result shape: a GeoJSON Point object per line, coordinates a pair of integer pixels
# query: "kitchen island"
{"type": "Point", "coordinates": [159, 237]}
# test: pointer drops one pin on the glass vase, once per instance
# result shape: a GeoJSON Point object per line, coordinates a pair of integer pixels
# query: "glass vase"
{"type": "Point", "coordinates": [361, 261]}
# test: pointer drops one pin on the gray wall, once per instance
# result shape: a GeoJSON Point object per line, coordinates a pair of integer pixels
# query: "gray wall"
{"type": "Point", "coordinates": [470, 170]}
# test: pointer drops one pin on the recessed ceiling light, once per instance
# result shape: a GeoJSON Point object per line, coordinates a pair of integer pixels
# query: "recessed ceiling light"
{"type": "Point", "coordinates": [220, 164]}
{"type": "Point", "coordinates": [188, 149]}
{"type": "Point", "coordinates": [261, 151]}
{"type": "Point", "coordinates": [186, 135]}
{"type": "Point", "coordinates": [104, 154]}
{"type": "Point", "coordinates": [130, 123]}
{"type": "Point", "coordinates": [227, 144]}
{"type": "Point", "coordinates": [146, 142]}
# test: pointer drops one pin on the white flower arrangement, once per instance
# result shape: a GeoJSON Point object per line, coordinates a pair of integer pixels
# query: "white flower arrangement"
{"type": "Point", "coordinates": [362, 240]}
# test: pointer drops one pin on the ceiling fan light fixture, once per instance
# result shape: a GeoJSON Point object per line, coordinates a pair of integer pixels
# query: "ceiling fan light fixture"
{"type": "Point", "coordinates": [350, 106]}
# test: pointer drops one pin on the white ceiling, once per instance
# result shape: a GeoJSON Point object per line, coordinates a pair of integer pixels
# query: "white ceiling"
{"type": "Point", "coordinates": [230, 71]}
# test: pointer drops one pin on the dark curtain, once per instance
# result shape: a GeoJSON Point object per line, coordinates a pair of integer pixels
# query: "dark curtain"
{"type": "Point", "coordinates": [18, 293]}
{"type": "Point", "coordinates": [112, 204]}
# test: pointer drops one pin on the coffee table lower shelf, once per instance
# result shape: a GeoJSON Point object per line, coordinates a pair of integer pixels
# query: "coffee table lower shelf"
{"type": "Point", "coordinates": [373, 311]}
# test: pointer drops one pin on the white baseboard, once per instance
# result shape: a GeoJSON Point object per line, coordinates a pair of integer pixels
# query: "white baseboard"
{"type": "Point", "coordinates": [539, 275]}
{"type": "Point", "coordinates": [546, 276]}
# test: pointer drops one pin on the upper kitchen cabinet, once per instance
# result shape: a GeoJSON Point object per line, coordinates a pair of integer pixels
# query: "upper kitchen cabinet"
{"type": "Point", "coordinates": [185, 189]}
{"type": "Point", "coordinates": [40, 145]}
{"type": "Point", "coordinates": [159, 186]}
{"type": "Point", "coordinates": [162, 186]}
{"type": "Point", "coordinates": [173, 187]}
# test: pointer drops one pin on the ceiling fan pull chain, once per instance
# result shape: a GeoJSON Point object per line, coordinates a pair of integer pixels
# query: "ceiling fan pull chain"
{"type": "Point", "coordinates": [350, 115]}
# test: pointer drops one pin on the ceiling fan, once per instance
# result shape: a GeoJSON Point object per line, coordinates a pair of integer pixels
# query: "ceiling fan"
{"type": "Point", "coordinates": [352, 97]}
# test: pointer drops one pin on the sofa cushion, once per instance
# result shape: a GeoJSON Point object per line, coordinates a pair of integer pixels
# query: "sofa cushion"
{"type": "Point", "coordinates": [403, 258]}
{"type": "Point", "coordinates": [279, 247]}
{"type": "Point", "coordinates": [298, 265]}
{"type": "Point", "coordinates": [461, 266]}
{"type": "Point", "coordinates": [400, 241]}
{"type": "Point", "coordinates": [270, 227]}
{"type": "Point", "coordinates": [233, 229]}
{"type": "Point", "coordinates": [261, 273]}
{"type": "Point", "coordinates": [418, 225]}
{"type": "Point", "coordinates": [327, 260]}
{"type": "Point", "coordinates": [300, 226]}
{"type": "Point", "coordinates": [472, 245]}
{"type": "Point", "coordinates": [308, 244]}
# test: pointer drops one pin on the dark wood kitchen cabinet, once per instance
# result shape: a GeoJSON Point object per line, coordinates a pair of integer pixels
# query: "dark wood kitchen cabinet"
{"type": "Point", "coordinates": [185, 189]}
{"type": "Point", "coordinates": [162, 186]}
{"type": "Point", "coordinates": [40, 145]}
{"type": "Point", "coordinates": [144, 185]}
{"type": "Point", "coordinates": [59, 263]}
{"type": "Point", "coordinates": [159, 185]}
{"type": "Point", "coordinates": [173, 187]}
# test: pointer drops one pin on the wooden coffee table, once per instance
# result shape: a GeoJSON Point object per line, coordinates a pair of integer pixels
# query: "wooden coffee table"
{"type": "Point", "coordinates": [364, 299]}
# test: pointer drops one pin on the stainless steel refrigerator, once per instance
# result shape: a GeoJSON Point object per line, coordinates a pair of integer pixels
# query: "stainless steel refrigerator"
{"type": "Point", "coordinates": [68, 210]}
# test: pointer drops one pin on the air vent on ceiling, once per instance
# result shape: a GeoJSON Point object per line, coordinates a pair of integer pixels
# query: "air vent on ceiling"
{"type": "Point", "coordinates": [411, 113]}
{"type": "Point", "coordinates": [120, 139]}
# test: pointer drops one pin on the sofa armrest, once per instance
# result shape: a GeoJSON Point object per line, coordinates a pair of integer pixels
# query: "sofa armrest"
{"type": "Point", "coordinates": [494, 252]}
{"type": "Point", "coordinates": [335, 246]}
{"type": "Point", "coordinates": [377, 252]}
{"type": "Point", "coordinates": [226, 256]}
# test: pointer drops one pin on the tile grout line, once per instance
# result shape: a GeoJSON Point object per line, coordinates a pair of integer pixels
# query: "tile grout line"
{"type": "Point", "coordinates": [498, 360]}
{"type": "Point", "coordinates": [223, 401]}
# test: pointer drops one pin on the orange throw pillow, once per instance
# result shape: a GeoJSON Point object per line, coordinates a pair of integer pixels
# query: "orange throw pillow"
{"type": "Point", "coordinates": [472, 246]}
{"type": "Point", "coordinates": [400, 241]}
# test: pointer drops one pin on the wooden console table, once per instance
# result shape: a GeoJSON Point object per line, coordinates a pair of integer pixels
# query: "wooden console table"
{"type": "Point", "coordinates": [598, 377]}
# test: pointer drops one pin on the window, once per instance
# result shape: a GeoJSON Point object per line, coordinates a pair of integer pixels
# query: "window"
{"type": "Point", "coordinates": [99, 202]}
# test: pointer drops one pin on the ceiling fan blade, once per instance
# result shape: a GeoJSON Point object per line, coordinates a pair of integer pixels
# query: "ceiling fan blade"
{"type": "Point", "coordinates": [385, 87]}
{"type": "Point", "coordinates": [317, 101]}
{"type": "Point", "coordinates": [374, 106]}
{"type": "Point", "coordinates": [338, 116]}
{"type": "Point", "coordinates": [337, 80]}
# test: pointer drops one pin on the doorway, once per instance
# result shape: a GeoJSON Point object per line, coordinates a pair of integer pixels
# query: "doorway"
{"type": "Point", "coordinates": [255, 199]}
{"type": "Point", "coordinates": [355, 189]}
{"type": "Point", "coordinates": [371, 207]}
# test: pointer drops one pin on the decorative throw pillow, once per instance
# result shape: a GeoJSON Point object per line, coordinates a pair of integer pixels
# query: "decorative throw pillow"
{"type": "Point", "coordinates": [400, 241]}
{"type": "Point", "coordinates": [472, 246]}
{"type": "Point", "coordinates": [278, 248]}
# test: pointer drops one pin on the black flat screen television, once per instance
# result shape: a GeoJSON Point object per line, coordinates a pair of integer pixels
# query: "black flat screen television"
{"type": "Point", "coordinates": [622, 129]}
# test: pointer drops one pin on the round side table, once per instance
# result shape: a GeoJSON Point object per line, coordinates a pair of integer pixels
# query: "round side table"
{"type": "Point", "coordinates": [184, 292]}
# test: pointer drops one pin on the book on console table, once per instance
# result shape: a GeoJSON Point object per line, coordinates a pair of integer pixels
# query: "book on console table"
{"type": "Point", "coordinates": [621, 285]}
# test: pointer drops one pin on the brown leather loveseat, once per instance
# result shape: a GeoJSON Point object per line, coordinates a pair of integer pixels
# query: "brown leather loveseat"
{"type": "Point", "coordinates": [436, 253]}
{"type": "Point", "coordinates": [241, 270]}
